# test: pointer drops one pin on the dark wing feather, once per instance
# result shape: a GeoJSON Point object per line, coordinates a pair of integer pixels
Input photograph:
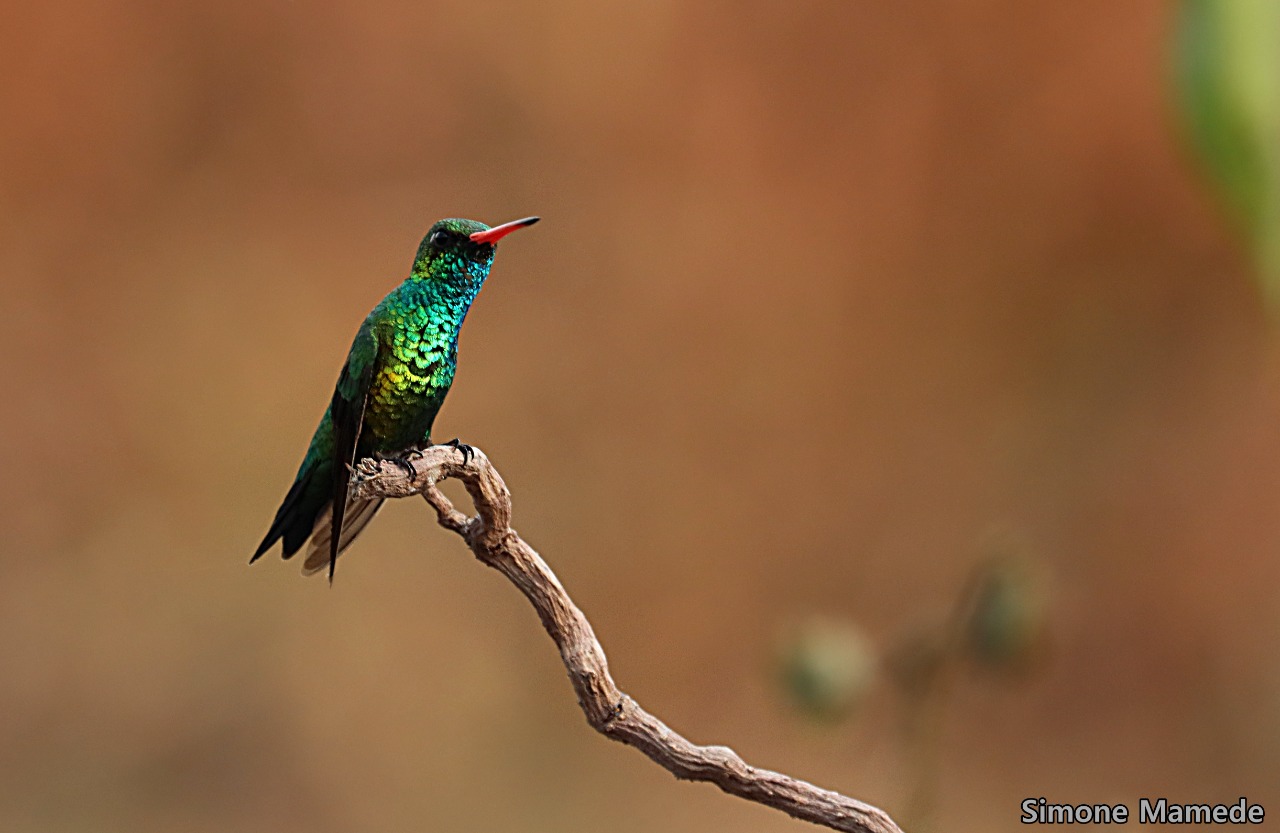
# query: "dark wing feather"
{"type": "Point", "coordinates": [350, 398]}
{"type": "Point", "coordinates": [286, 525]}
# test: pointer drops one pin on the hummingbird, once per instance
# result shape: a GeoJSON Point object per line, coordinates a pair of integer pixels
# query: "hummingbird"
{"type": "Point", "coordinates": [400, 368]}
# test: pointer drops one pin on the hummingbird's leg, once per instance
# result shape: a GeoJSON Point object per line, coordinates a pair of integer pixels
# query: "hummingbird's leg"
{"type": "Point", "coordinates": [467, 451]}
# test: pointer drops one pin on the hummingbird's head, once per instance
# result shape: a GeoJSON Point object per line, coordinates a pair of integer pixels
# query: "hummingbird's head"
{"type": "Point", "coordinates": [458, 250]}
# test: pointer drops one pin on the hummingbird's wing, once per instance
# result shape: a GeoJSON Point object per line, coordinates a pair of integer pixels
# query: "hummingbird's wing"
{"type": "Point", "coordinates": [347, 411]}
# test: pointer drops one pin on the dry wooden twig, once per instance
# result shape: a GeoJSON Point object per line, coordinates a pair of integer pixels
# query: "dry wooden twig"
{"type": "Point", "coordinates": [608, 709]}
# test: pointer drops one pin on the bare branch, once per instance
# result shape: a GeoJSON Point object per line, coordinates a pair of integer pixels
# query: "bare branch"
{"type": "Point", "coordinates": [608, 710]}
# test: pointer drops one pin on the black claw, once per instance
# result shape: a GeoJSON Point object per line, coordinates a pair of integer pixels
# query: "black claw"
{"type": "Point", "coordinates": [467, 451]}
{"type": "Point", "coordinates": [406, 466]}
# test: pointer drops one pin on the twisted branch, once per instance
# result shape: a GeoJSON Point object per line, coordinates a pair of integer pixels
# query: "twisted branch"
{"type": "Point", "coordinates": [608, 709]}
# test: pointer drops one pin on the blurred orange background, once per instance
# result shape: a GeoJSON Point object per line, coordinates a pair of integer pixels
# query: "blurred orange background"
{"type": "Point", "coordinates": [825, 295]}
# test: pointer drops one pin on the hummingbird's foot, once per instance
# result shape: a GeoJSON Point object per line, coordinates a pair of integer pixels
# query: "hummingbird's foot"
{"type": "Point", "coordinates": [467, 451]}
{"type": "Point", "coordinates": [405, 464]}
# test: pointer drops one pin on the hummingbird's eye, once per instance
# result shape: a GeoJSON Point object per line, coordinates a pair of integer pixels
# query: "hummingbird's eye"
{"type": "Point", "coordinates": [440, 238]}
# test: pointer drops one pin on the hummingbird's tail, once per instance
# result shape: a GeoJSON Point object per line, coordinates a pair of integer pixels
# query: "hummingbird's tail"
{"type": "Point", "coordinates": [306, 514]}
{"type": "Point", "coordinates": [357, 516]}
{"type": "Point", "coordinates": [295, 520]}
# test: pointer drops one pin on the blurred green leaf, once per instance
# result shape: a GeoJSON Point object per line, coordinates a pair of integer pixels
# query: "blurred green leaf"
{"type": "Point", "coordinates": [1009, 619]}
{"type": "Point", "coordinates": [828, 667]}
{"type": "Point", "coordinates": [1228, 77]}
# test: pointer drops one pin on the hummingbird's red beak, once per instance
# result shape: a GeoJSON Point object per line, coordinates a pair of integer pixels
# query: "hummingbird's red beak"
{"type": "Point", "coordinates": [496, 233]}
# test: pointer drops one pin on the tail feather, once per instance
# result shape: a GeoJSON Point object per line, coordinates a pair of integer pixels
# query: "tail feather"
{"type": "Point", "coordinates": [357, 515]}
{"type": "Point", "coordinates": [295, 519]}
{"type": "Point", "coordinates": [305, 519]}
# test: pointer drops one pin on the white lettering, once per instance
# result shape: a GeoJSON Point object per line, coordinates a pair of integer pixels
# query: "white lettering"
{"type": "Point", "coordinates": [1151, 814]}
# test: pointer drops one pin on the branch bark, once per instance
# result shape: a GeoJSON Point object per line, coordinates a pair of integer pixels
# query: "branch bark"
{"type": "Point", "coordinates": [609, 711]}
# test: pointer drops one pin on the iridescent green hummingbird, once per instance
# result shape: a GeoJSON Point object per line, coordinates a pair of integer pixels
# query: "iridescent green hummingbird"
{"type": "Point", "coordinates": [399, 369]}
